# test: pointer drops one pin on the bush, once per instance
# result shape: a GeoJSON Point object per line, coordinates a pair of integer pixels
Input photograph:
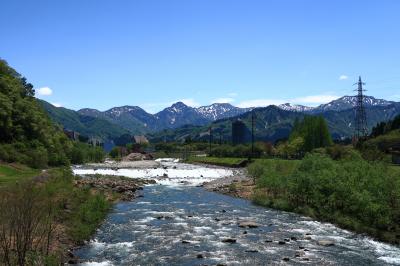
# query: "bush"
{"type": "Point", "coordinates": [89, 214]}
{"type": "Point", "coordinates": [114, 153]}
{"type": "Point", "coordinates": [353, 192]}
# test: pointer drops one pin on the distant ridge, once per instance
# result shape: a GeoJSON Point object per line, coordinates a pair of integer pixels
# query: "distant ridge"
{"type": "Point", "coordinates": [135, 120]}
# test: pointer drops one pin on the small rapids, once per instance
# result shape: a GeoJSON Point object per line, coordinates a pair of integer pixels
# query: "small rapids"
{"type": "Point", "coordinates": [177, 223]}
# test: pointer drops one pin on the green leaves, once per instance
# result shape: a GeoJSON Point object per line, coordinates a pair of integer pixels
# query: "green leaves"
{"type": "Point", "coordinates": [353, 192]}
{"type": "Point", "coordinates": [26, 133]}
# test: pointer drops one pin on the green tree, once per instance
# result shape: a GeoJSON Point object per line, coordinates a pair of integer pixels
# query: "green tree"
{"type": "Point", "coordinates": [314, 131]}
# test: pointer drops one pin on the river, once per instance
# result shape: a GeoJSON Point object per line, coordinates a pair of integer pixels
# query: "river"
{"type": "Point", "coordinates": [178, 223]}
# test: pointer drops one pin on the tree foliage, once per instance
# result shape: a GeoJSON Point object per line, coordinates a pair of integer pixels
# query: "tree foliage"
{"type": "Point", "coordinates": [353, 192]}
{"type": "Point", "coordinates": [27, 135]}
{"type": "Point", "coordinates": [385, 127]}
{"type": "Point", "coordinates": [314, 132]}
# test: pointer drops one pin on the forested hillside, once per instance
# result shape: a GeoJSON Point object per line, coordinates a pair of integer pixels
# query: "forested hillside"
{"type": "Point", "coordinates": [27, 135]}
{"type": "Point", "coordinates": [88, 126]}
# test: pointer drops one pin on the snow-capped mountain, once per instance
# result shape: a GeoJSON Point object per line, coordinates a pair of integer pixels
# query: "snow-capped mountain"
{"type": "Point", "coordinates": [295, 107]}
{"type": "Point", "coordinates": [137, 120]}
{"type": "Point", "coordinates": [348, 102]}
{"type": "Point", "coordinates": [91, 112]}
{"type": "Point", "coordinates": [217, 111]}
{"type": "Point", "coordinates": [179, 114]}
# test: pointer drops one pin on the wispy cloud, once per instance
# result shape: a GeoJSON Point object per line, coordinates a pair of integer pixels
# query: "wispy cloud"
{"type": "Point", "coordinates": [57, 104]}
{"type": "Point", "coordinates": [314, 99]}
{"type": "Point", "coordinates": [343, 77]}
{"type": "Point", "coordinates": [223, 100]}
{"type": "Point", "coordinates": [44, 91]}
{"type": "Point", "coordinates": [232, 94]}
{"type": "Point", "coordinates": [189, 102]}
{"type": "Point", "coordinates": [396, 96]}
{"type": "Point", "coordinates": [311, 100]}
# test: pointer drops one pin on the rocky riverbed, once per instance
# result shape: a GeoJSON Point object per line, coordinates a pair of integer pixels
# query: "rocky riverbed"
{"type": "Point", "coordinates": [115, 187]}
{"type": "Point", "coordinates": [178, 222]}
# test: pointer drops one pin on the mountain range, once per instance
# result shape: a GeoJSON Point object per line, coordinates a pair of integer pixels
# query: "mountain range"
{"type": "Point", "coordinates": [178, 120]}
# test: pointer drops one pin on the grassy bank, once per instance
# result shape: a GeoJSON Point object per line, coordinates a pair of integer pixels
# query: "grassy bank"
{"type": "Point", "coordinates": [221, 161]}
{"type": "Point", "coordinates": [11, 173]}
{"type": "Point", "coordinates": [50, 210]}
{"type": "Point", "coordinates": [353, 193]}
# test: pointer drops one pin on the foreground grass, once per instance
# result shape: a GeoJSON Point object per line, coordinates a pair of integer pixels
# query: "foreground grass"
{"type": "Point", "coordinates": [82, 209]}
{"type": "Point", "coordinates": [11, 173]}
{"type": "Point", "coordinates": [222, 161]}
{"type": "Point", "coordinates": [355, 194]}
{"type": "Point", "coordinates": [64, 215]}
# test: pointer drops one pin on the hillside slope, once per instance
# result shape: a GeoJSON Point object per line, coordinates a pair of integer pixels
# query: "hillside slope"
{"type": "Point", "coordinates": [86, 125]}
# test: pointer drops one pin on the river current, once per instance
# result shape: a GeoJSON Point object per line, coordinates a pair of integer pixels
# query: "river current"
{"type": "Point", "coordinates": [178, 223]}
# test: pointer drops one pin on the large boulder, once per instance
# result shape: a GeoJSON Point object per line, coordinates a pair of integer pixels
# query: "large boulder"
{"type": "Point", "coordinates": [134, 156]}
{"type": "Point", "coordinates": [248, 224]}
{"type": "Point", "coordinates": [326, 243]}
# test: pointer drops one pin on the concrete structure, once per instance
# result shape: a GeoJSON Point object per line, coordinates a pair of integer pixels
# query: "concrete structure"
{"type": "Point", "coordinates": [140, 139]}
{"type": "Point", "coordinates": [239, 130]}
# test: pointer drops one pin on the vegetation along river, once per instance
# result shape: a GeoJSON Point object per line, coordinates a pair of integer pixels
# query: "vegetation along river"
{"type": "Point", "coordinates": [177, 222]}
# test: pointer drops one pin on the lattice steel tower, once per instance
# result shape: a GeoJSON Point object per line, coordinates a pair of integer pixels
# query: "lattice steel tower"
{"type": "Point", "coordinates": [361, 129]}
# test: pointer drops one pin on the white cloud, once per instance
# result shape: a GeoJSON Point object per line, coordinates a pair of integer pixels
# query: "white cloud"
{"type": "Point", "coordinates": [396, 96]}
{"type": "Point", "coordinates": [44, 91]}
{"type": "Point", "coordinates": [343, 77]}
{"type": "Point", "coordinates": [311, 100]}
{"type": "Point", "coordinates": [189, 102]}
{"type": "Point", "coordinates": [57, 104]}
{"type": "Point", "coordinates": [314, 99]}
{"type": "Point", "coordinates": [223, 100]}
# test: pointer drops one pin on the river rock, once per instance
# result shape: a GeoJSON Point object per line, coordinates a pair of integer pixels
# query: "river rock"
{"type": "Point", "coordinates": [300, 253]}
{"type": "Point", "coordinates": [281, 242]}
{"type": "Point", "coordinates": [200, 256]}
{"type": "Point", "coordinates": [285, 259]}
{"type": "Point", "coordinates": [229, 240]}
{"type": "Point", "coordinates": [326, 243]}
{"type": "Point", "coordinates": [134, 157]}
{"type": "Point", "coordinates": [163, 217]}
{"type": "Point", "coordinates": [248, 224]}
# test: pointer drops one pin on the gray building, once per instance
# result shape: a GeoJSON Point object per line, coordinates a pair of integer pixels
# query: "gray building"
{"type": "Point", "coordinates": [239, 131]}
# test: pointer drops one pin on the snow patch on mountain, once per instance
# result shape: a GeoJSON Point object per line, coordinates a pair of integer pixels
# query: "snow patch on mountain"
{"type": "Point", "coordinates": [295, 107]}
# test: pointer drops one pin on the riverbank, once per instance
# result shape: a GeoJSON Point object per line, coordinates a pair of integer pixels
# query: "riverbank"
{"type": "Point", "coordinates": [226, 162]}
{"type": "Point", "coordinates": [65, 209]}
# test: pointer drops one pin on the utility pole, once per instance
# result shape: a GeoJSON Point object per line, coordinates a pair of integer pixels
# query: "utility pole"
{"type": "Point", "coordinates": [252, 133]}
{"type": "Point", "coordinates": [361, 129]}
{"type": "Point", "coordinates": [210, 130]}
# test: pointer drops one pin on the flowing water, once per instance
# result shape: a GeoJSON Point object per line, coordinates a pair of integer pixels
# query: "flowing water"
{"type": "Point", "coordinates": [176, 223]}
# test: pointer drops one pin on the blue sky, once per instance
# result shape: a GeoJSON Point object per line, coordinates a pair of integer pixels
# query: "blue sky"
{"type": "Point", "coordinates": [101, 54]}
